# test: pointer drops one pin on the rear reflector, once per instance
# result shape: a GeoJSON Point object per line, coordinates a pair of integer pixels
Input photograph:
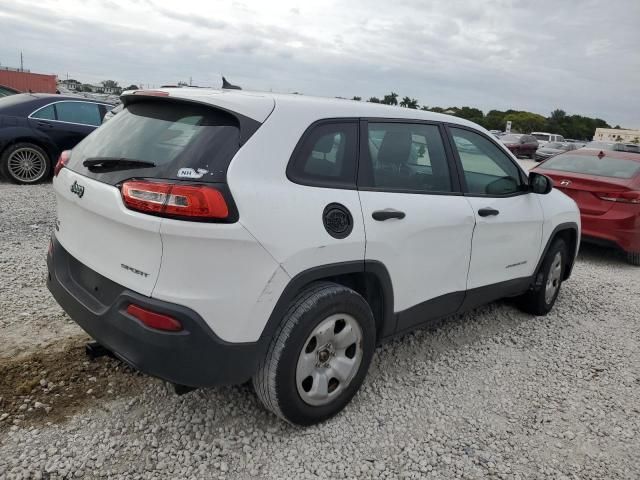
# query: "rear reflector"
{"type": "Point", "coordinates": [62, 162]}
{"type": "Point", "coordinates": [153, 319]}
{"type": "Point", "coordinates": [174, 200]}
{"type": "Point", "coordinates": [620, 197]}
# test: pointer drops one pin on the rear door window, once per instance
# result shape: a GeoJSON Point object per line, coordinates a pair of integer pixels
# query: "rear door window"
{"type": "Point", "coordinates": [405, 157]}
{"type": "Point", "coordinates": [182, 140]}
{"type": "Point", "coordinates": [84, 113]}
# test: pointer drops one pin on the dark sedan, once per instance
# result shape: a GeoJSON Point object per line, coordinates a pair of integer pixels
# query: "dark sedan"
{"type": "Point", "coordinates": [520, 144]}
{"type": "Point", "coordinates": [35, 128]}
{"type": "Point", "coordinates": [552, 149]}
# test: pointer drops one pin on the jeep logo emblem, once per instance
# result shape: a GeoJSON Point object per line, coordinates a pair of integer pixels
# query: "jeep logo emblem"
{"type": "Point", "coordinates": [77, 189]}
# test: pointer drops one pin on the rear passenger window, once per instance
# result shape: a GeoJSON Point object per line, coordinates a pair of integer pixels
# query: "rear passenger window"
{"type": "Point", "coordinates": [405, 157]}
{"type": "Point", "coordinates": [326, 156]}
{"type": "Point", "coordinates": [79, 112]}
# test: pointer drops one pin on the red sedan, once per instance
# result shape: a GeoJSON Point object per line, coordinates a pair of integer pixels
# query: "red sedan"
{"type": "Point", "coordinates": [606, 187]}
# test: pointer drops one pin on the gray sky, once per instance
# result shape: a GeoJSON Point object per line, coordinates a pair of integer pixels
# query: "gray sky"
{"type": "Point", "coordinates": [582, 56]}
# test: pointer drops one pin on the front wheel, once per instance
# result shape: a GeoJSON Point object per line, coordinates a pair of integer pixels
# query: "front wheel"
{"type": "Point", "coordinates": [541, 298]}
{"type": "Point", "coordinates": [319, 356]}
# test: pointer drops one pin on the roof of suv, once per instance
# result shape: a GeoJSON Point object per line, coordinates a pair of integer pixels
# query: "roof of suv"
{"type": "Point", "coordinates": [259, 105]}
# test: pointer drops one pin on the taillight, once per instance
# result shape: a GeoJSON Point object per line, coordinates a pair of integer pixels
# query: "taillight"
{"type": "Point", "coordinates": [155, 320]}
{"type": "Point", "coordinates": [62, 162]}
{"type": "Point", "coordinates": [621, 197]}
{"type": "Point", "coordinates": [175, 200]}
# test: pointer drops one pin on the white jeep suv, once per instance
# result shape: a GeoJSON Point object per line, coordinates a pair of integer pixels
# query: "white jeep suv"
{"type": "Point", "coordinates": [212, 237]}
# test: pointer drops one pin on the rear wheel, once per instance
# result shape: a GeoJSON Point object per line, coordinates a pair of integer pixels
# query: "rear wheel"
{"type": "Point", "coordinates": [541, 298]}
{"type": "Point", "coordinates": [319, 356]}
{"type": "Point", "coordinates": [25, 163]}
{"type": "Point", "coordinates": [633, 258]}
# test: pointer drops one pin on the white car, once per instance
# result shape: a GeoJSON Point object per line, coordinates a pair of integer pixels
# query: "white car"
{"type": "Point", "coordinates": [544, 138]}
{"type": "Point", "coordinates": [212, 237]}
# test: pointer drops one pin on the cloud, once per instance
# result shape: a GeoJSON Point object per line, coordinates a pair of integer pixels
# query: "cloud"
{"type": "Point", "coordinates": [489, 54]}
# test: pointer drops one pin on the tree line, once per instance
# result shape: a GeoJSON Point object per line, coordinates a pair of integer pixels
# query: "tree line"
{"type": "Point", "coordinates": [569, 126]}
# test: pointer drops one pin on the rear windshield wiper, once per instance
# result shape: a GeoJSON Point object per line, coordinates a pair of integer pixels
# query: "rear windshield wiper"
{"type": "Point", "coordinates": [114, 163]}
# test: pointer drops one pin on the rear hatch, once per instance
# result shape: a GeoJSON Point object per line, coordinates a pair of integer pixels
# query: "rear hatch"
{"type": "Point", "coordinates": [152, 139]}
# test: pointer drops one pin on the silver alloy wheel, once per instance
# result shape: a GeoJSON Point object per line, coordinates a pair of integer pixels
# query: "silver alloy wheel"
{"type": "Point", "coordinates": [553, 279]}
{"type": "Point", "coordinates": [27, 165]}
{"type": "Point", "coordinates": [329, 359]}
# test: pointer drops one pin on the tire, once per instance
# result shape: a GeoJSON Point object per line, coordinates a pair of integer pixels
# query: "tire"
{"type": "Point", "coordinates": [290, 385]}
{"type": "Point", "coordinates": [633, 258]}
{"type": "Point", "coordinates": [541, 298]}
{"type": "Point", "coordinates": [25, 163]}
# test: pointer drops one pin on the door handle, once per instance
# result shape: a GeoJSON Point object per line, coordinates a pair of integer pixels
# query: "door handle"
{"type": "Point", "coordinates": [382, 215]}
{"type": "Point", "coordinates": [487, 212]}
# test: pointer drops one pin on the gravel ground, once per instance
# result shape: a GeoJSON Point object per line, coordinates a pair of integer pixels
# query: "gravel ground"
{"type": "Point", "coordinates": [29, 318]}
{"type": "Point", "coordinates": [494, 393]}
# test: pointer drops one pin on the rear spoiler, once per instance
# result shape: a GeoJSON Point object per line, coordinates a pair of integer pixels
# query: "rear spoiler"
{"type": "Point", "coordinates": [248, 126]}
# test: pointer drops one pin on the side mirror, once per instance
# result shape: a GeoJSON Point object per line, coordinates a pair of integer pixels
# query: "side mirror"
{"type": "Point", "coordinates": [540, 183]}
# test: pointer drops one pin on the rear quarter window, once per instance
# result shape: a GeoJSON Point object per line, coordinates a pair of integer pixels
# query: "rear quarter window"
{"type": "Point", "coordinates": [326, 155]}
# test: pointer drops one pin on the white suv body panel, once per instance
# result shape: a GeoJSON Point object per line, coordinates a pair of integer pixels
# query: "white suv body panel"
{"type": "Point", "coordinates": [285, 217]}
{"type": "Point", "coordinates": [221, 272]}
{"type": "Point", "coordinates": [506, 246]}
{"type": "Point", "coordinates": [101, 233]}
{"type": "Point", "coordinates": [427, 253]}
{"type": "Point", "coordinates": [558, 209]}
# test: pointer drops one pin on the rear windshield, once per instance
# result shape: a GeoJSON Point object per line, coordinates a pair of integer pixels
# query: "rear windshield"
{"type": "Point", "coordinates": [592, 165]}
{"type": "Point", "coordinates": [184, 141]}
{"type": "Point", "coordinates": [511, 138]}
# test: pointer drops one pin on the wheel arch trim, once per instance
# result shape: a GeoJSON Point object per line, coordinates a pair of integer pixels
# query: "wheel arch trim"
{"type": "Point", "coordinates": [326, 272]}
{"type": "Point", "coordinates": [562, 227]}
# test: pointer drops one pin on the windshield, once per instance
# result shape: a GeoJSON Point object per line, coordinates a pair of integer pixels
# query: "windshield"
{"type": "Point", "coordinates": [541, 136]}
{"type": "Point", "coordinates": [182, 140]}
{"type": "Point", "coordinates": [557, 145]}
{"type": "Point", "coordinates": [593, 165]}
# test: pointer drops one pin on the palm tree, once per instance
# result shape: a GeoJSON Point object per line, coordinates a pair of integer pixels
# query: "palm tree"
{"type": "Point", "coordinates": [391, 99]}
{"type": "Point", "coordinates": [409, 103]}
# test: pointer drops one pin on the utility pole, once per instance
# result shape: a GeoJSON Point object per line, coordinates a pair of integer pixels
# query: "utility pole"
{"type": "Point", "coordinates": [21, 62]}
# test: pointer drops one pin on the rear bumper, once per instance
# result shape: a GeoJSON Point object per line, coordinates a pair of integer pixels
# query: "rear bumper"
{"type": "Point", "coordinates": [194, 357]}
{"type": "Point", "coordinates": [619, 226]}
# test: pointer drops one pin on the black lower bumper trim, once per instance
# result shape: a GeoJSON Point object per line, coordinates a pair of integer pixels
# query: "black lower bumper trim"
{"type": "Point", "coordinates": [194, 357]}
